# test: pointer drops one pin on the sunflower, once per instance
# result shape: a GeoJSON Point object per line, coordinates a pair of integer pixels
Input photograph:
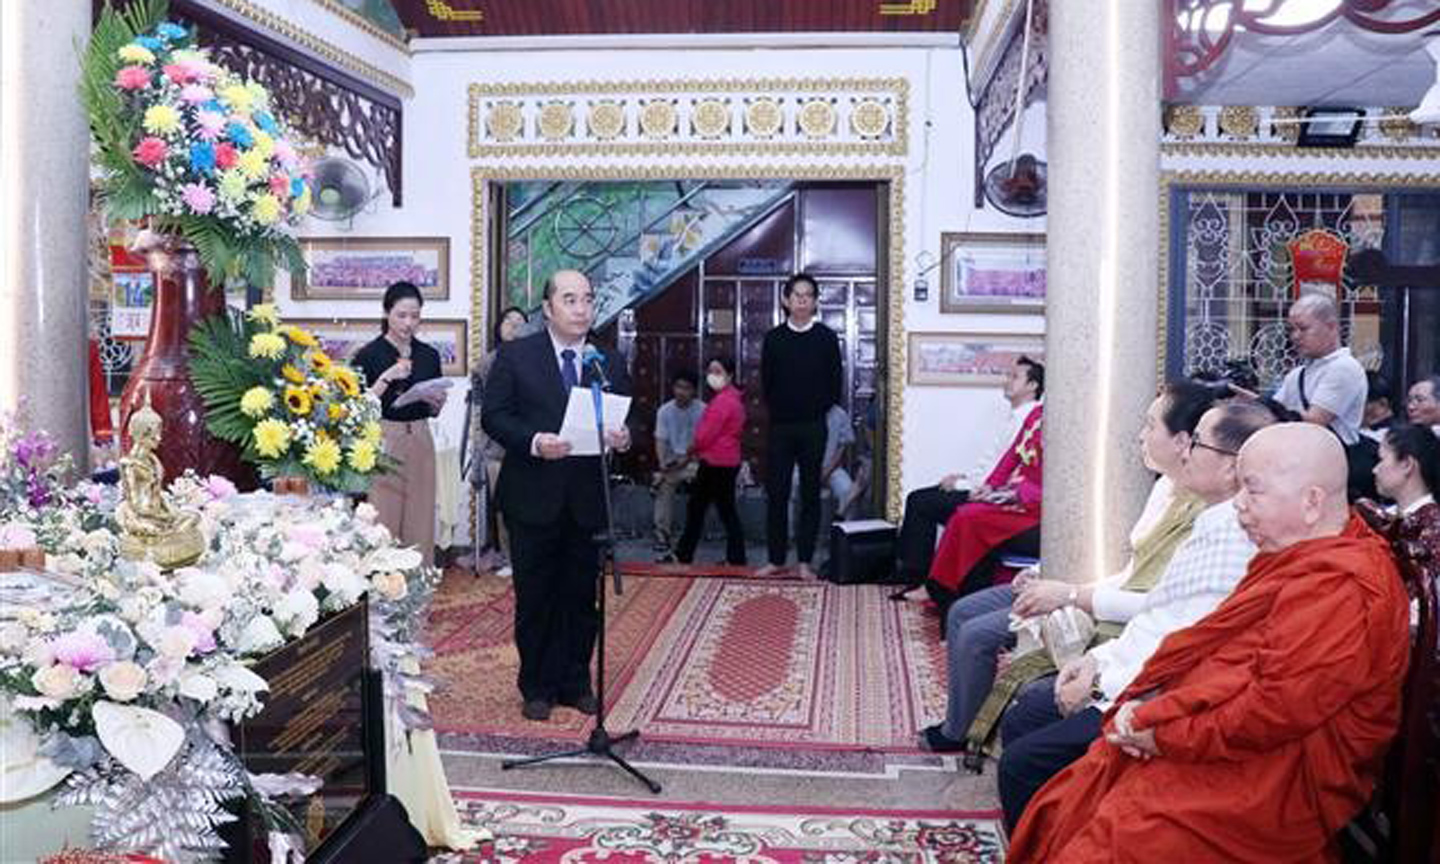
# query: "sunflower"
{"type": "Point", "coordinates": [293, 375]}
{"type": "Point", "coordinates": [300, 336]}
{"type": "Point", "coordinates": [272, 437]}
{"type": "Point", "coordinates": [336, 412]}
{"type": "Point", "coordinates": [347, 379]}
{"type": "Point", "coordinates": [320, 361]}
{"type": "Point", "coordinates": [298, 400]}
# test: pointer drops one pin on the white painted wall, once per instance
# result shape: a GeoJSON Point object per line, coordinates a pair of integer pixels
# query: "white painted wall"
{"type": "Point", "coordinates": [943, 427]}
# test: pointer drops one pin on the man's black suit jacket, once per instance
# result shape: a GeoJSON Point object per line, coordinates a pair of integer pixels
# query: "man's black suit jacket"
{"type": "Point", "coordinates": [524, 395]}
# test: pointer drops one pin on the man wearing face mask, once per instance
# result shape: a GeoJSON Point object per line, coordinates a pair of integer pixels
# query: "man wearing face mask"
{"type": "Point", "coordinates": [800, 371]}
{"type": "Point", "coordinates": [552, 502]}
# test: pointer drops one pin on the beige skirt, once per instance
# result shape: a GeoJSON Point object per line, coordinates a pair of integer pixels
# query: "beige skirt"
{"type": "Point", "coordinates": [405, 497]}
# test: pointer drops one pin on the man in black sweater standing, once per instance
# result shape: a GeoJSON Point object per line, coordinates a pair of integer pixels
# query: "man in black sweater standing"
{"type": "Point", "coordinates": [800, 373]}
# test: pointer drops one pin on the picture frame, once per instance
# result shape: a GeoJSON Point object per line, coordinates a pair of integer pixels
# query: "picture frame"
{"type": "Point", "coordinates": [361, 268]}
{"type": "Point", "coordinates": [968, 359]}
{"type": "Point", "coordinates": [342, 337]}
{"type": "Point", "coordinates": [992, 272]}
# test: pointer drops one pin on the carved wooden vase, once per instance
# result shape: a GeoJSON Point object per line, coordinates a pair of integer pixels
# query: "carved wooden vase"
{"type": "Point", "coordinates": [183, 296]}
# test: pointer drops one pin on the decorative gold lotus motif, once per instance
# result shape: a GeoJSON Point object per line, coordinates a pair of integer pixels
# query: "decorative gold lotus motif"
{"type": "Point", "coordinates": [1184, 121]}
{"type": "Point", "coordinates": [606, 120]}
{"type": "Point", "coordinates": [505, 121]}
{"type": "Point", "coordinates": [1240, 122]}
{"type": "Point", "coordinates": [658, 118]}
{"type": "Point", "coordinates": [1395, 124]}
{"type": "Point", "coordinates": [710, 118]}
{"type": "Point", "coordinates": [763, 117]}
{"type": "Point", "coordinates": [555, 121]}
{"type": "Point", "coordinates": [869, 118]}
{"type": "Point", "coordinates": [1286, 131]}
{"type": "Point", "coordinates": [816, 118]}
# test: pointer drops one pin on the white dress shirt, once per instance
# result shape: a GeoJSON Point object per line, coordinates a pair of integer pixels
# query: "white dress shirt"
{"type": "Point", "coordinates": [1109, 601]}
{"type": "Point", "coordinates": [993, 451]}
{"type": "Point", "coordinates": [1205, 569]}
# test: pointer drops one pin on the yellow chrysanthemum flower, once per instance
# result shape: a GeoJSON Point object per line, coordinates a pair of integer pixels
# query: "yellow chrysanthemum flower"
{"type": "Point", "coordinates": [233, 184]}
{"type": "Point", "coordinates": [264, 144]}
{"type": "Point", "coordinates": [264, 313]}
{"type": "Point", "coordinates": [266, 210]}
{"type": "Point", "coordinates": [362, 456]}
{"type": "Point", "coordinates": [300, 336]}
{"type": "Point", "coordinates": [272, 438]}
{"type": "Point", "coordinates": [336, 412]}
{"type": "Point", "coordinates": [258, 94]}
{"type": "Point", "coordinates": [253, 166]}
{"type": "Point", "coordinates": [323, 455]}
{"type": "Point", "coordinates": [161, 119]}
{"type": "Point", "coordinates": [347, 379]}
{"type": "Point", "coordinates": [298, 400]}
{"type": "Point", "coordinates": [133, 53]}
{"type": "Point", "coordinates": [256, 401]}
{"type": "Point", "coordinates": [373, 432]}
{"type": "Point", "coordinates": [291, 374]}
{"type": "Point", "coordinates": [320, 361]}
{"type": "Point", "coordinates": [238, 98]}
{"type": "Point", "coordinates": [266, 345]}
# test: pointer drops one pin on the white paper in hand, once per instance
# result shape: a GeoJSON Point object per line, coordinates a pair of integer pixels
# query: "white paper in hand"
{"type": "Point", "coordinates": [424, 390]}
{"type": "Point", "coordinates": [578, 426]}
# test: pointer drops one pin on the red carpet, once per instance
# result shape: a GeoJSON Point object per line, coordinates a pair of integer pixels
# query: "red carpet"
{"type": "Point", "coordinates": [734, 662]}
{"type": "Point", "coordinates": [555, 828]}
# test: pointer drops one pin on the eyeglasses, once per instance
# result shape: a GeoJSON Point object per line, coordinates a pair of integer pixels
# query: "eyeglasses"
{"type": "Point", "coordinates": [1196, 442]}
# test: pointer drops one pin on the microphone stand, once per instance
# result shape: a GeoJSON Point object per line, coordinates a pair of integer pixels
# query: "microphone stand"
{"type": "Point", "coordinates": [600, 742]}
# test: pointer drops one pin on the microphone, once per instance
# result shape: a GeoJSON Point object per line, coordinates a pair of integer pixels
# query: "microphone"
{"type": "Point", "coordinates": [594, 359]}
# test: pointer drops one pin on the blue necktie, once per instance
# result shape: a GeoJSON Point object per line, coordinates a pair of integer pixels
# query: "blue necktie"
{"type": "Point", "coordinates": [567, 369]}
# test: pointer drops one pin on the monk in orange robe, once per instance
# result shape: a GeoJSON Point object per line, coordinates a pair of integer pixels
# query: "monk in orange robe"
{"type": "Point", "coordinates": [1256, 734]}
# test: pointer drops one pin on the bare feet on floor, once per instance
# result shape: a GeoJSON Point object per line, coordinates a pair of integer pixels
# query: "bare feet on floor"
{"type": "Point", "coordinates": [769, 571]}
{"type": "Point", "coordinates": [805, 572]}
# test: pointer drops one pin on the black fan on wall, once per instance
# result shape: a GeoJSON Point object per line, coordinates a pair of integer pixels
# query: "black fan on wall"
{"type": "Point", "coordinates": [1018, 186]}
{"type": "Point", "coordinates": [341, 189]}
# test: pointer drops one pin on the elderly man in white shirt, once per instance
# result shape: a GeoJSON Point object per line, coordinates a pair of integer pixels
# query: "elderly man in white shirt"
{"type": "Point", "coordinates": [1052, 725]}
{"type": "Point", "coordinates": [1329, 388]}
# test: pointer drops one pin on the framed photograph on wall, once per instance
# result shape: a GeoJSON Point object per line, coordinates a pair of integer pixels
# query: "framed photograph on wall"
{"type": "Point", "coordinates": [992, 273]}
{"type": "Point", "coordinates": [361, 268]}
{"type": "Point", "coordinates": [968, 359]}
{"type": "Point", "coordinates": [342, 337]}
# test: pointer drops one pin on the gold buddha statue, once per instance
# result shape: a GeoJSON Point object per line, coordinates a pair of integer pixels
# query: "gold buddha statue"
{"type": "Point", "coordinates": [151, 529]}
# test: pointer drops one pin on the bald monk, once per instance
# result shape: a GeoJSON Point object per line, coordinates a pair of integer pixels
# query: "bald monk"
{"type": "Point", "coordinates": [1257, 733]}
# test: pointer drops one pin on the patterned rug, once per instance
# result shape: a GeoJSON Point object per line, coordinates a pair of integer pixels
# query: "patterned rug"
{"type": "Point", "coordinates": [543, 828]}
{"type": "Point", "coordinates": [736, 662]}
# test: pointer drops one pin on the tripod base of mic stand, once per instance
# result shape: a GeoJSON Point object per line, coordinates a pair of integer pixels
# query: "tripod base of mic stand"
{"type": "Point", "coordinates": [600, 743]}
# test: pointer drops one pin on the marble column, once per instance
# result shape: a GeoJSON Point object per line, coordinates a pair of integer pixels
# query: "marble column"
{"type": "Point", "coordinates": [44, 187]}
{"type": "Point", "coordinates": [1103, 144]}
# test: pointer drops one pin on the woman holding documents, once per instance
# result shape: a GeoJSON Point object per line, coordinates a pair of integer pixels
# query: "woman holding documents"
{"type": "Point", "coordinates": [394, 363]}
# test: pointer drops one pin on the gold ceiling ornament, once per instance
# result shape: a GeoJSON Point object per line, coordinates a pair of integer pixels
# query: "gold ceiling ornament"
{"type": "Point", "coordinates": [325, 50]}
{"type": "Point", "coordinates": [556, 121]}
{"type": "Point", "coordinates": [1240, 122]}
{"type": "Point", "coordinates": [869, 118]}
{"type": "Point", "coordinates": [914, 7]}
{"type": "Point", "coordinates": [1289, 132]}
{"type": "Point", "coordinates": [710, 118]}
{"type": "Point", "coordinates": [658, 118]}
{"type": "Point", "coordinates": [1395, 124]}
{"type": "Point", "coordinates": [892, 178]}
{"type": "Point", "coordinates": [816, 118]}
{"type": "Point", "coordinates": [763, 117]}
{"type": "Point", "coordinates": [504, 121]}
{"type": "Point", "coordinates": [1284, 150]}
{"type": "Point", "coordinates": [606, 120]}
{"type": "Point", "coordinates": [442, 11]}
{"type": "Point", "coordinates": [360, 22]}
{"type": "Point", "coordinates": [1184, 121]}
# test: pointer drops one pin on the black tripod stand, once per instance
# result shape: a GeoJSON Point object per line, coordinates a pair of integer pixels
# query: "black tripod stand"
{"type": "Point", "coordinates": [600, 742]}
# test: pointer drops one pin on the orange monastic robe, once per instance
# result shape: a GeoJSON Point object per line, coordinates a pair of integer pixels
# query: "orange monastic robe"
{"type": "Point", "coordinates": [1271, 715]}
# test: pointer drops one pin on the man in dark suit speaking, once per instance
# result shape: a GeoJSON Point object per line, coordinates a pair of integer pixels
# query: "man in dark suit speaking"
{"type": "Point", "coordinates": [552, 502]}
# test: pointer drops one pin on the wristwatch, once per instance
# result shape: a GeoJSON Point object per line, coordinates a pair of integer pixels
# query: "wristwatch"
{"type": "Point", "coordinates": [1097, 695]}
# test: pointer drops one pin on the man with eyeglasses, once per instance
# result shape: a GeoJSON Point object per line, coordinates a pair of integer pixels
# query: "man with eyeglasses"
{"type": "Point", "coordinates": [1052, 724]}
{"type": "Point", "coordinates": [1422, 403]}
